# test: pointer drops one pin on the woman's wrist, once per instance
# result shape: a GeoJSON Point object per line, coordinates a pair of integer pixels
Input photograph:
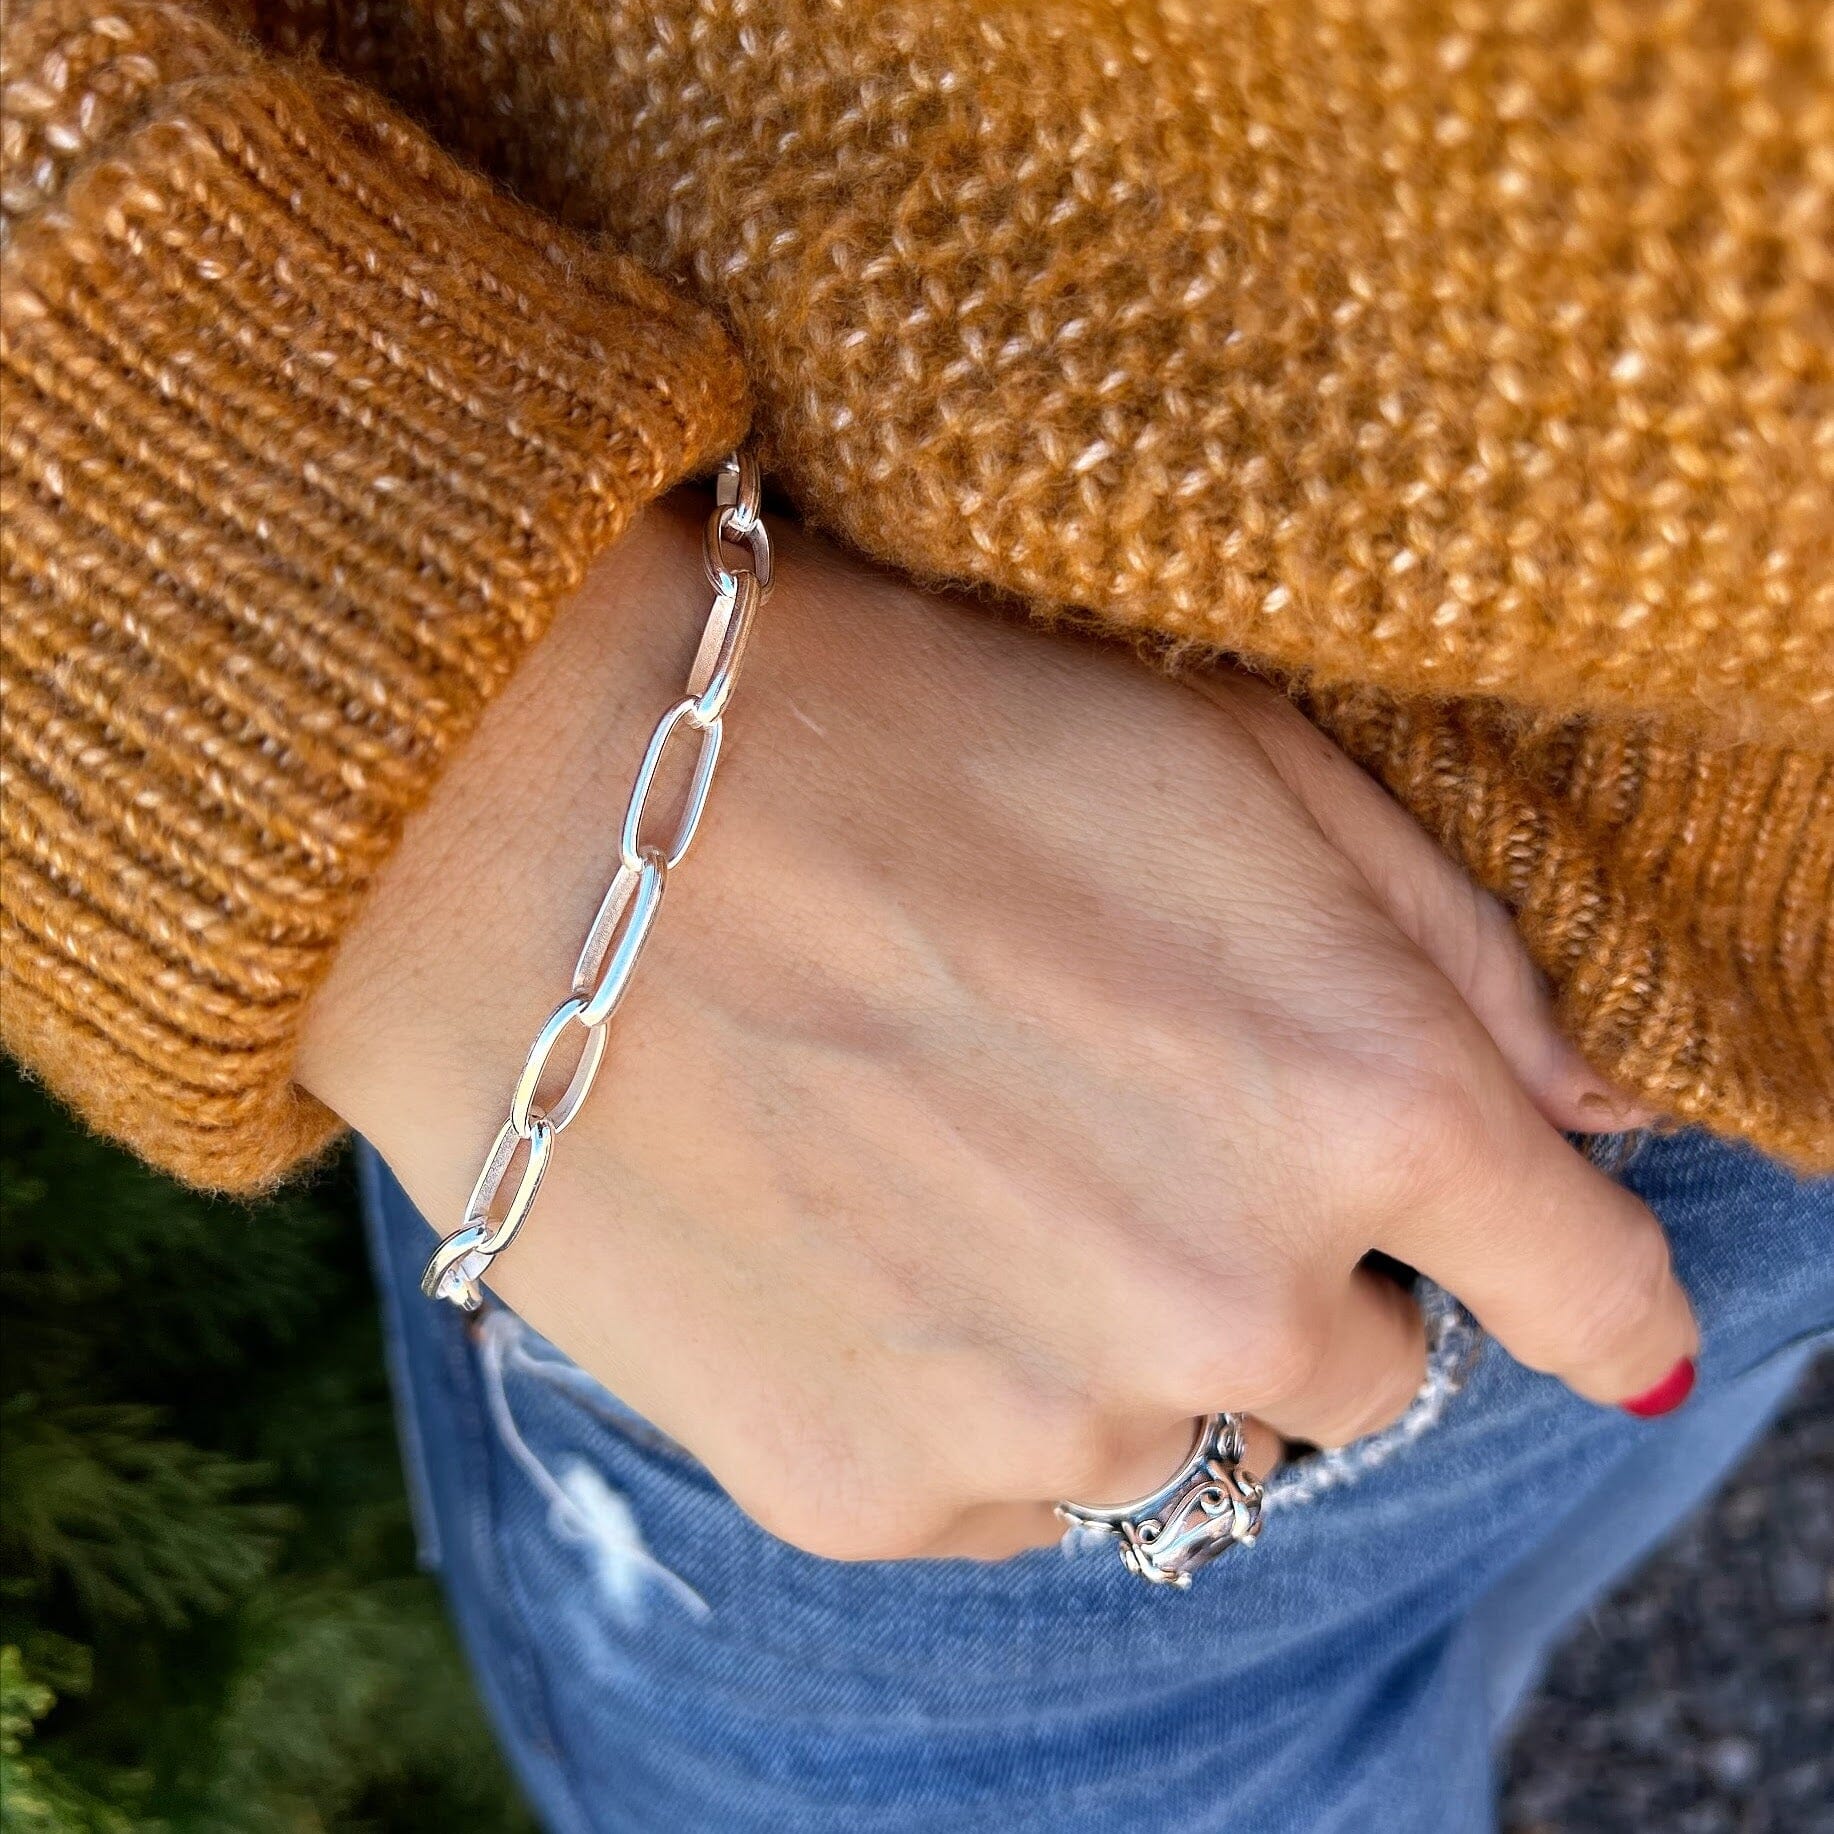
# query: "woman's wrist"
{"type": "Point", "coordinates": [508, 856]}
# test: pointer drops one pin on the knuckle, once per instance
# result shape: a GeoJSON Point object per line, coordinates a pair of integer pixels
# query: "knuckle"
{"type": "Point", "coordinates": [827, 1497]}
{"type": "Point", "coordinates": [1045, 1440]}
{"type": "Point", "coordinates": [1187, 1335]}
{"type": "Point", "coordinates": [1288, 1363]}
{"type": "Point", "coordinates": [1618, 1299]}
{"type": "Point", "coordinates": [1434, 1134]}
{"type": "Point", "coordinates": [1273, 1355]}
{"type": "Point", "coordinates": [1101, 1465]}
{"type": "Point", "coordinates": [1497, 961]}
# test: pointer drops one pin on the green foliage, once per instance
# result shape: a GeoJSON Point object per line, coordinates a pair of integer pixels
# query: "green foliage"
{"type": "Point", "coordinates": [33, 1795]}
{"type": "Point", "coordinates": [135, 1522]}
{"type": "Point", "coordinates": [209, 1618]}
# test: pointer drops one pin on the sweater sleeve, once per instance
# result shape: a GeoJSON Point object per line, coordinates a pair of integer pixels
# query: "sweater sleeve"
{"type": "Point", "coordinates": [308, 431]}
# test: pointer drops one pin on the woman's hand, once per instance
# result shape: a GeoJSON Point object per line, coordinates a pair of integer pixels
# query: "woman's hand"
{"type": "Point", "coordinates": [1024, 1063]}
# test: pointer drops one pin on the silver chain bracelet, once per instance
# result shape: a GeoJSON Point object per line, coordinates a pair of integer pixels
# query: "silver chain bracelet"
{"type": "Point", "coordinates": [518, 1157]}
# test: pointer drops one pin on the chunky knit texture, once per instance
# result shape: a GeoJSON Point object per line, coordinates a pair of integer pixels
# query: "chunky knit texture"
{"type": "Point", "coordinates": [1470, 366]}
{"type": "Point", "coordinates": [290, 486]}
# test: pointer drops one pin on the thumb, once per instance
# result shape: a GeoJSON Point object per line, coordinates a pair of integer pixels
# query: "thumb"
{"type": "Point", "coordinates": [1460, 927]}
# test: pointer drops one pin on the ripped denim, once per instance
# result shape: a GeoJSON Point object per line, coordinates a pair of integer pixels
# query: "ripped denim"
{"type": "Point", "coordinates": [652, 1661]}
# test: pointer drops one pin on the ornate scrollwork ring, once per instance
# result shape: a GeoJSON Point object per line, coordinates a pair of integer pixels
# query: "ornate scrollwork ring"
{"type": "Point", "coordinates": [1207, 1506]}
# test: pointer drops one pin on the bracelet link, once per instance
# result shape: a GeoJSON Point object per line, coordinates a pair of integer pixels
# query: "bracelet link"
{"type": "Point", "coordinates": [706, 758]}
{"type": "Point", "coordinates": [520, 1153]}
{"type": "Point", "coordinates": [458, 1263]}
{"type": "Point", "coordinates": [722, 649]}
{"type": "Point", "coordinates": [523, 1113]}
{"type": "Point", "coordinates": [609, 956]}
{"type": "Point", "coordinates": [720, 530]}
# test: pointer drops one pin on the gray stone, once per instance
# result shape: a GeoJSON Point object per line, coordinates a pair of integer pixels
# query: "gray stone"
{"type": "Point", "coordinates": [1700, 1700]}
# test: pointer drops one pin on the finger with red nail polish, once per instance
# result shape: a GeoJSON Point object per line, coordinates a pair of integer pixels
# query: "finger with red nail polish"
{"type": "Point", "coordinates": [1667, 1395]}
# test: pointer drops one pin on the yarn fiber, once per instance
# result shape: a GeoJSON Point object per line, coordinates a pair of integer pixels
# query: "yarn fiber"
{"type": "Point", "coordinates": [1470, 367]}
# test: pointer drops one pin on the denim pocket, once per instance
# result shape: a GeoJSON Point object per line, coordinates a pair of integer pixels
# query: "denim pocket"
{"type": "Point", "coordinates": [586, 1486]}
{"type": "Point", "coordinates": [523, 1352]}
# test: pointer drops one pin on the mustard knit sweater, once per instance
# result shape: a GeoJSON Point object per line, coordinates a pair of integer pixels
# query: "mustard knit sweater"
{"type": "Point", "coordinates": [1471, 365]}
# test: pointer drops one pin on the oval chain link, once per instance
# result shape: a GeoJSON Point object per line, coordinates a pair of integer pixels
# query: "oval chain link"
{"type": "Point", "coordinates": [722, 649]}
{"type": "Point", "coordinates": [518, 1157]}
{"type": "Point", "coordinates": [523, 1113]}
{"type": "Point", "coordinates": [727, 524]}
{"type": "Point", "coordinates": [609, 956]}
{"type": "Point", "coordinates": [687, 825]}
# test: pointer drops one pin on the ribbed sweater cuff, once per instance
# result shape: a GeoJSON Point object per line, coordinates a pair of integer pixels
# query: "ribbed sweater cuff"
{"type": "Point", "coordinates": [308, 432]}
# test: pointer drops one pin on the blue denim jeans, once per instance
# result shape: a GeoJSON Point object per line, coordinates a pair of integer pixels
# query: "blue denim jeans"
{"type": "Point", "coordinates": [652, 1661]}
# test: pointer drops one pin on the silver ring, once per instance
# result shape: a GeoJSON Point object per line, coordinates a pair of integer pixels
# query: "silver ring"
{"type": "Point", "coordinates": [1207, 1506]}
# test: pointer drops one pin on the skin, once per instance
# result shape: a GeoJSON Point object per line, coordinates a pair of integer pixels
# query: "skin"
{"type": "Point", "coordinates": [1024, 1062]}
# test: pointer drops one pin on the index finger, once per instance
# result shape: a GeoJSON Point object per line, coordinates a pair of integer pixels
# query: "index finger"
{"type": "Point", "coordinates": [1568, 1270]}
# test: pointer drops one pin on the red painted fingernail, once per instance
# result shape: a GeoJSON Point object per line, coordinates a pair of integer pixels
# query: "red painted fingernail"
{"type": "Point", "coordinates": [1667, 1395]}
